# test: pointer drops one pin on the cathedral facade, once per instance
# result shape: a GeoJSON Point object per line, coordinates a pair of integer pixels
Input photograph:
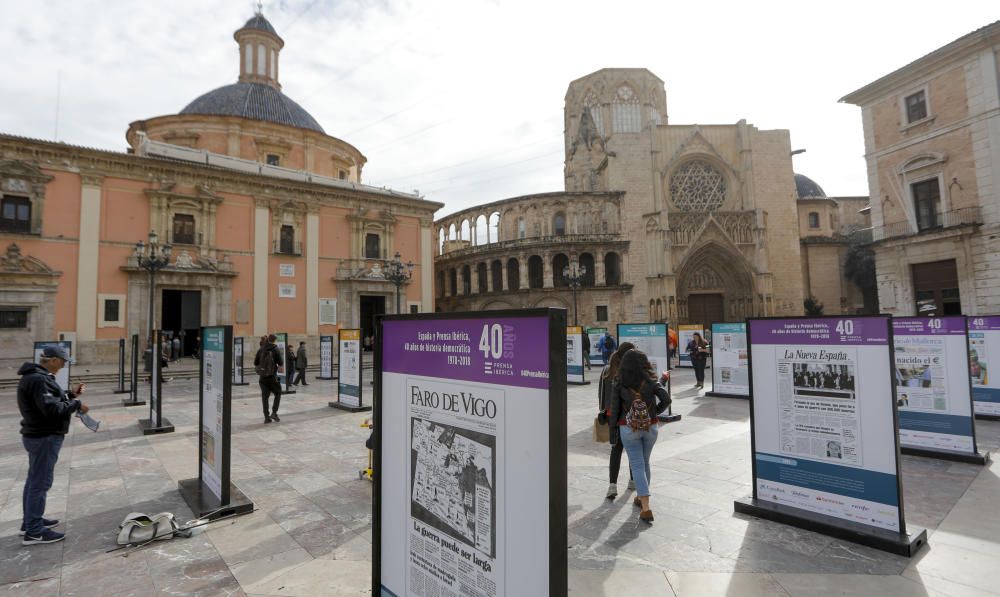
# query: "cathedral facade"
{"type": "Point", "coordinates": [702, 220]}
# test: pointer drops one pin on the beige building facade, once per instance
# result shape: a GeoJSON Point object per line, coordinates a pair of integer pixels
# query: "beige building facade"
{"type": "Point", "coordinates": [700, 222]}
{"type": "Point", "coordinates": [932, 145]}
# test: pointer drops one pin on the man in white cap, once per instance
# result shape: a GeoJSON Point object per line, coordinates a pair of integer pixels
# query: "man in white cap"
{"type": "Point", "coordinates": [45, 410]}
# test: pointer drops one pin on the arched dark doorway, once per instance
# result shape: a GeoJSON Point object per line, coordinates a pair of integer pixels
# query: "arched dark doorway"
{"type": "Point", "coordinates": [612, 269]}
{"type": "Point", "coordinates": [587, 262]}
{"type": "Point", "coordinates": [535, 272]}
{"type": "Point", "coordinates": [559, 262]}
{"type": "Point", "coordinates": [513, 274]}
{"type": "Point", "coordinates": [466, 280]}
{"type": "Point", "coordinates": [714, 285]}
{"type": "Point", "coordinates": [481, 278]}
{"type": "Point", "coordinates": [496, 268]}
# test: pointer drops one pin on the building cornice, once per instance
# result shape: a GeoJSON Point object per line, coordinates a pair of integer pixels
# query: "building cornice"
{"type": "Point", "coordinates": [71, 158]}
{"type": "Point", "coordinates": [979, 39]}
{"type": "Point", "coordinates": [496, 205]}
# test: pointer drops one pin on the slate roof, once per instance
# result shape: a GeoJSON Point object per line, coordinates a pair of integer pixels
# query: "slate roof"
{"type": "Point", "coordinates": [255, 101]}
{"type": "Point", "coordinates": [259, 22]}
{"type": "Point", "coordinates": [807, 188]}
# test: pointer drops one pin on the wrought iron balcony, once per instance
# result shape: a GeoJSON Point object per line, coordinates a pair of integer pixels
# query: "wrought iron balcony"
{"type": "Point", "coordinates": [966, 216]}
{"type": "Point", "coordinates": [287, 248]}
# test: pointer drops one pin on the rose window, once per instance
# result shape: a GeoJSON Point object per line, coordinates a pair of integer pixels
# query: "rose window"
{"type": "Point", "coordinates": [698, 186]}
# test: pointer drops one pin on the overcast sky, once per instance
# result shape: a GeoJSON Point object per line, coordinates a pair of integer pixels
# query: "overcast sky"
{"type": "Point", "coordinates": [463, 99]}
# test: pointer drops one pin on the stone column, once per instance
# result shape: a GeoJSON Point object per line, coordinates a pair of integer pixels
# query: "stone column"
{"type": "Point", "coordinates": [425, 268]}
{"type": "Point", "coordinates": [88, 254]}
{"type": "Point", "coordinates": [599, 278]}
{"type": "Point", "coordinates": [312, 272]}
{"type": "Point", "coordinates": [489, 277]}
{"type": "Point", "coordinates": [504, 282]}
{"type": "Point", "coordinates": [522, 271]}
{"type": "Point", "coordinates": [474, 282]}
{"type": "Point", "coordinates": [261, 256]}
{"type": "Point", "coordinates": [547, 280]}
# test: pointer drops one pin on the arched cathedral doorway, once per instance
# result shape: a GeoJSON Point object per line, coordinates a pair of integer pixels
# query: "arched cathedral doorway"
{"type": "Point", "coordinates": [714, 285]}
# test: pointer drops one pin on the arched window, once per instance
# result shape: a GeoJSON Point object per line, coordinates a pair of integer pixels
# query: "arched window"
{"type": "Point", "coordinates": [481, 278]}
{"type": "Point", "coordinates": [482, 231]}
{"type": "Point", "coordinates": [535, 272]}
{"type": "Point", "coordinates": [466, 280]}
{"type": "Point", "coordinates": [373, 248]}
{"type": "Point", "coordinates": [626, 115]}
{"type": "Point", "coordinates": [513, 274]}
{"type": "Point", "coordinates": [593, 105]}
{"type": "Point", "coordinates": [559, 224]}
{"type": "Point", "coordinates": [652, 309]}
{"type": "Point", "coordinates": [496, 269]}
{"type": "Point", "coordinates": [813, 219]}
{"type": "Point", "coordinates": [493, 234]}
{"type": "Point", "coordinates": [559, 262]}
{"type": "Point", "coordinates": [698, 186]}
{"type": "Point", "coordinates": [587, 261]}
{"type": "Point", "coordinates": [261, 59]}
{"type": "Point", "coordinates": [522, 230]}
{"type": "Point", "coordinates": [659, 310]}
{"type": "Point", "coordinates": [440, 283]}
{"type": "Point", "coordinates": [451, 233]}
{"type": "Point", "coordinates": [466, 231]}
{"type": "Point", "coordinates": [441, 241]}
{"type": "Point", "coordinates": [612, 269]}
{"type": "Point", "coordinates": [453, 282]}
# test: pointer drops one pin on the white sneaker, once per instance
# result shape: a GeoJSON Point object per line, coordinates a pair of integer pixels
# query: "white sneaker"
{"type": "Point", "coordinates": [612, 492]}
{"type": "Point", "coordinates": [631, 484]}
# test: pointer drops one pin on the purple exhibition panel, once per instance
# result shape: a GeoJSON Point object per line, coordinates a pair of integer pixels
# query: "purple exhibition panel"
{"type": "Point", "coordinates": [990, 323]}
{"type": "Point", "coordinates": [846, 331]}
{"type": "Point", "coordinates": [512, 351]}
{"type": "Point", "coordinates": [929, 326]}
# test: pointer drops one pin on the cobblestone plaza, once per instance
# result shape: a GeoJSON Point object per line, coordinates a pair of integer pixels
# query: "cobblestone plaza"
{"type": "Point", "coordinates": [311, 533]}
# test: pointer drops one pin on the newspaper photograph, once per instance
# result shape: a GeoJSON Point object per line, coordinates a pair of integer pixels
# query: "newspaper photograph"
{"type": "Point", "coordinates": [454, 445]}
{"type": "Point", "coordinates": [818, 412]}
{"type": "Point", "coordinates": [920, 373]}
{"type": "Point", "coordinates": [978, 359]}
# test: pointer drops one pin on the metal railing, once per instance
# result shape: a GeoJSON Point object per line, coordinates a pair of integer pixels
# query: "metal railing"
{"type": "Point", "coordinates": [966, 216]}
{"type": "Point", "coordinates": [286, 248]}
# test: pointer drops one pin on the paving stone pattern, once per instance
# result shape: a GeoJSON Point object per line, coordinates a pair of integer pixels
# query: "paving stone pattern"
{"type": "Point", "coordinates": [312, 532]}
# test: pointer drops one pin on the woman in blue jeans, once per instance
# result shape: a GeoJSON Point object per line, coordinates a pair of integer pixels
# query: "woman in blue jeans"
{"type": "Point", "coordinates": [637, 425]}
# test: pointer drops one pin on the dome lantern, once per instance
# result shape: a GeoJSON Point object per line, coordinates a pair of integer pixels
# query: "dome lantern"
{"type": "Point", "coordinates": [259, 48]}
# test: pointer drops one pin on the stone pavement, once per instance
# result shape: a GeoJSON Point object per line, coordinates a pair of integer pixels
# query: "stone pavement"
{"type": "Point", "coordinates": [312, 536]}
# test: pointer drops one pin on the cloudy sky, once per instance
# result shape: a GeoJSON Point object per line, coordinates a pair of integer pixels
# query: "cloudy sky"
{"type": "Point", "coordinates": [462, 99]}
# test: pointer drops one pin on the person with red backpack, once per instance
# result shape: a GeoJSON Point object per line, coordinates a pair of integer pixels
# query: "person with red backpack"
{"type": "Point", "coordinates": [637, 401]}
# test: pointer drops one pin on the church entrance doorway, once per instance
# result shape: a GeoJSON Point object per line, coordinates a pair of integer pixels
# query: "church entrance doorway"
{"type": "Point", "coordinates": [371, 307]}
{"type": "Point", "coordinates": [706, 309]}
{"type": "Point", "coordinates": [180, 315]}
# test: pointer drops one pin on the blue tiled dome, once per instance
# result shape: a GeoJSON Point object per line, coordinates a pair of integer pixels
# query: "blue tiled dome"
{"type": "Point", "coordinates": [807, 188]}
{"type": "Point", "coordinates": [256, 101]}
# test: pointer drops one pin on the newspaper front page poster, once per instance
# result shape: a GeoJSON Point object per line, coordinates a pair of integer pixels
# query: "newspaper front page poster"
{"type": "Point", "coordinates": [574, 354]}
{"type": "Point", "coordinates": [596, 358]}
{"type": "Point", "coordinates": [823, 420]}
{"type": "Point", "coordinates": [730, 362]}
{"type": "Point", "coordinates": [465, 511]}
{"type": "Point", "coordinates": [932, 390]}
{"type": "Point", "coordinates": [984, 364]}
{"type": "Point", "coordinates": [349, 373]}
{"type": "Point", "coordinates": [650, 338]}
{"type": "Point", "coordinates": [213, 356]}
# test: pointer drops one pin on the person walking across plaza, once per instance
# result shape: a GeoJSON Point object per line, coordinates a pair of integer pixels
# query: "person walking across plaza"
{"type": "Point", "coordinates": [266, 363]}
{"type": "Point", "coordinates": [607, 346]}
{"type": "Point", "coordinates": [605, 388]}
{"type": "Point", "coordinates": [586, 350]}
{"type": "Point", "coordinates": [636, 401]}
{"type": "Point", "coordinates": [300, 365]}
{"type": "Point", "coordinates": [175, 346]}
{"type": "Point", "coordinates": [697, 349]}
{"type": "Point", "coordinates": [45, 413]}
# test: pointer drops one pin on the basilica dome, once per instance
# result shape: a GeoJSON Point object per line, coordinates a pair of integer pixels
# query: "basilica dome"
{"type": "Point", "coordinates": [807, 188]}
{"type": "Point", "coordinates": [256, 101]}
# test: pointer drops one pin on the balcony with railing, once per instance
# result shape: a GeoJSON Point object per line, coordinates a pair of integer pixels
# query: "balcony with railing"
{"type": "Point", "coordinates": [957, 218]}
{"type": "Point", "coordinates": [506, 246]}
{"type": "Point", "coordinates": [285, 247]}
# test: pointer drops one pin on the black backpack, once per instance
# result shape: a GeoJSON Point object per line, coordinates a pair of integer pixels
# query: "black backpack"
{"type": "Point", "coordinates": [266, 367]}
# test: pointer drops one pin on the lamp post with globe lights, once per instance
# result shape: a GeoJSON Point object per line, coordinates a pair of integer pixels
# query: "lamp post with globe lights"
{"type": "Point", "coordinates": [398, 273]}
{"type": "Point", "coordinates": [574, 274]}
{"type": "Point", "coordinates": [152, 257]}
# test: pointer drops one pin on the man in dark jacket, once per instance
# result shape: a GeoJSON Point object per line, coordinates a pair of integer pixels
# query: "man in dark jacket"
{"type": "Point", "coordinates": [300, 365]}
{"type": "Point", "coordinates": [45, 410]}
{"type": "Point", "coordinates": [586, 350]}
{"type": "Point", "coordinates": [266, 363]}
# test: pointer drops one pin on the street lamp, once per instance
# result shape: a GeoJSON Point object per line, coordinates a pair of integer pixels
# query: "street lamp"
{"type": "Point", "coordinates": [152, 258]}
{"type": "Point", "coordinates": [398, 273]}
{"type": "Point", "coordinates": [574, 277]}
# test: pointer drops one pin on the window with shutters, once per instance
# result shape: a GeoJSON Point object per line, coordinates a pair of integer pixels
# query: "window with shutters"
{"type": "Point", "coordinates": [373, 248]}
{"type": "Point", "coordinates": [15, 214]}
{"type": "Point", "coordinates": [184, 231]}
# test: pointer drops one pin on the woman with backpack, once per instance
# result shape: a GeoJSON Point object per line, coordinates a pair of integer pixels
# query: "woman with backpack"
{"type": "Point", "coordinates": [637, 399]}
{"type": "Point", "coordinates": [605, 393]}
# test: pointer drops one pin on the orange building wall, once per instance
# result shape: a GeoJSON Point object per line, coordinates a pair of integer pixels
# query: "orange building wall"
{"type": "Point", "coordinates": [234, 224]}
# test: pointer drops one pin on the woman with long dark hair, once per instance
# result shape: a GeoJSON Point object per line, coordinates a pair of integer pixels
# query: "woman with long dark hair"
{"type": "Point", "coordinates": [604, 395]}
{"type": "Point", "coordinates": [637, 400]}
{"type": "Point", "coordinates": [697, 349]}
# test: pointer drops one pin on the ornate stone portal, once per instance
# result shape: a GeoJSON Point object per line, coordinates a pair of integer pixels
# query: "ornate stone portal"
{"type": "Point", "coordinates": [26, 284]}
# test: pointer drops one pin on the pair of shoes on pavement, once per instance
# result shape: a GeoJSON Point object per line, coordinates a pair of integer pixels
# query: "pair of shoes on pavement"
{"type": "Point", "coordinates": [46, 536]}
{"type": "Point", "coordinates": [613, 489]}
